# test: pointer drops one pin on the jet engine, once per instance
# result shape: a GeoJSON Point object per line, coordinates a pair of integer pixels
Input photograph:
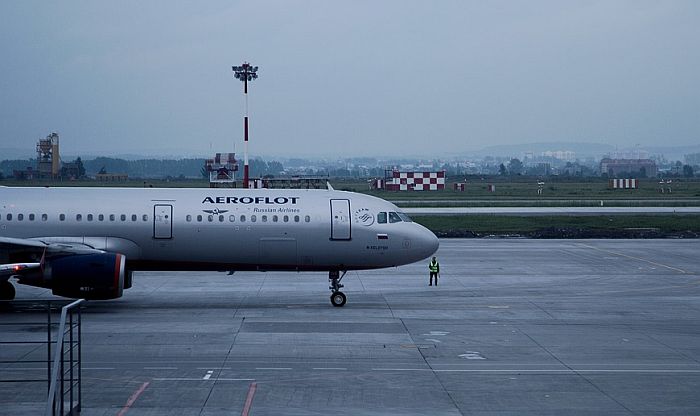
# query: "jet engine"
{"type": "Point", "coordinates": [89, 276]}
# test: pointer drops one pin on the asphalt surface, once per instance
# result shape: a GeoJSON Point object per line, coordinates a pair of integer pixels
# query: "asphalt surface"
{"type": "Point", "coordinates": [516, 327]}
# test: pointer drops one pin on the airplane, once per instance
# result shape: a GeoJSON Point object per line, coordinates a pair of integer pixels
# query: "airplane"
{"type": "Point", "coordinates": [87, 242]}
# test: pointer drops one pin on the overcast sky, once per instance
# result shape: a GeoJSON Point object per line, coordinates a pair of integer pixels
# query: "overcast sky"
{"type": "Point", "coordinates": [348, 78]}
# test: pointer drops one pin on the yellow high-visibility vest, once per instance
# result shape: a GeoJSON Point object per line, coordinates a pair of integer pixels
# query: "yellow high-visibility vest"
{"type": "Point", "coordinates": [433, 266]}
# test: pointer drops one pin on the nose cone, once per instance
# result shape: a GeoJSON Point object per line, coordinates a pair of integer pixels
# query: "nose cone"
{"type": "Point", "coordinates": [431, 243]}
{"type": "Point", "coordinates": [426, 243]}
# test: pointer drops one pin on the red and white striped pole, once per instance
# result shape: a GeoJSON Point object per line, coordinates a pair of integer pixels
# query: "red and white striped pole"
{"type": "Point", "coordinates": [245, 136]}
{"type": "Point", "coordinates": [245, 73]}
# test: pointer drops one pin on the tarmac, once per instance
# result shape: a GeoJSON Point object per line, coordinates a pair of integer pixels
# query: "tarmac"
{"type": "Point", "coordinates": [515, 327]}
{"type": "Point", "coordinates": [554, 211]}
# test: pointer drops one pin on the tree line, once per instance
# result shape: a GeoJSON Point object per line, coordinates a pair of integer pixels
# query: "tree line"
{"type": "Point", "coordinates": [144, 168]}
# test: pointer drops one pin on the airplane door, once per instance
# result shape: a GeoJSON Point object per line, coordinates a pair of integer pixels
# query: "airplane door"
{"type": "Point", "coordinates": [162, 221]}
{"type": "Point", "coordinates": [340, 219]}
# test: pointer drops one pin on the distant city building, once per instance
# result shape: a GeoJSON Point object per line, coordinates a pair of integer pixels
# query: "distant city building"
{"type": "Point", "coordinates": [630, 154]}
{"type": "Point", "coordinates": [560, 154]}
{"type": "Point", "coordinates": [628, 167]}
{"type": "Point", "coordinates": [692, 159]}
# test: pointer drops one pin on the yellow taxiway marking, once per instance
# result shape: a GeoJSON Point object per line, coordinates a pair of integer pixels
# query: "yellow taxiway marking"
{"type": "Point", "coordinates": [637, 258]}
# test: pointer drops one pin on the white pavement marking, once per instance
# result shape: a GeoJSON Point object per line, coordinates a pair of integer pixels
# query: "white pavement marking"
{"type": "Point", "coordinates": [160, 368]}
{"type": "Point", "coordinates": [199, 379]}
{"type": "Point", "coordinates": [433, 340]}
{"type": "Point", "coordinates": [402, 369]}
{"type": "Point", "coordinates": [472, 355]}
{"type": "Point", "coordinates": [330, 368]}
{"type": "Point", "coordinates": [273, 368]}
{"type": "Point", "coordinates": [208, 375]}
{"type": "Point", "coordinates": [436, 334]}
{"type": "Point", "coordinates": [636, 258]}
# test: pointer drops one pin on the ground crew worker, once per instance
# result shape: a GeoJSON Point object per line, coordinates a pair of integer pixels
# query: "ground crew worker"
{"type": "Point", "coordinates": [434, 268]}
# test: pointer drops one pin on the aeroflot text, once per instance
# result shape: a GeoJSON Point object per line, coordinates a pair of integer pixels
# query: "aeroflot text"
{"type": "Point", "coordinates": [280, 200]}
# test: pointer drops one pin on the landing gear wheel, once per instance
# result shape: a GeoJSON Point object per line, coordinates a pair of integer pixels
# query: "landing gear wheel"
{"type": "Point", "coordinates": [338, 299]}
{"type": "Point", "coordinates": [7, 291]}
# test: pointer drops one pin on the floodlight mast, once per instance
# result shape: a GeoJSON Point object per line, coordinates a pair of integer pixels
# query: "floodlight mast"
{"type": "Point", "coordinates": [245, 73]}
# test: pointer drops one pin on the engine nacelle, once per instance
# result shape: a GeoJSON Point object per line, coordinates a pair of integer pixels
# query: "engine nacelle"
{"type": "Point", "coordinates": [88, 276]}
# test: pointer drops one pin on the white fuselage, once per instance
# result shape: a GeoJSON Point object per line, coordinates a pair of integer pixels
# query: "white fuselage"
{"type": "Point", "coordinates": [220, 229]}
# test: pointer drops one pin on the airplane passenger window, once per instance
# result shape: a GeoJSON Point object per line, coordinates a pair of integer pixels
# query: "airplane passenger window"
{"type": "Point", "coordinates": [242, 218]}
{"type": "Point", "coordinates": [31, 217]}
{"type": "Point", "coordinates": [296, 218]}
{"type": "Point", "coordinates": [145, 217]}
{"type": "Point", "coordinates": [381, 218]}
{"type": "Point", "coordinates": [285, 218]}
{"type": "Point", "coordinates": [44, 217]}
{"type": "Point", "coordinates": [232, 218]}
{"type": "Point", "coordinates": [133, 217]}
{"type": "Point", "coordinates": [62, 217]}
{"type": "Point", "coordinates": [210, 218]}
{"type": "Point", "coordinates": [111, 217]}
{"type": "Point", "coordinates": [221, 218]}
{"type": "Point", "coordinates": [188, 218]}
{"type": "Point", "coordinates": [394, 217]}
{"type": "Point", "coordinates": [101, 217]}
{"type": "Point", "coordinates": [79, 217]}
{"type": "Point", "coordinates": [122, 217]}
{"type": "Point", "coordinates": [307, 218]}
{"type": "Point", "coordinates": [274, 218]}
{"type": "Point", "coordinates": [89, 217]}
{"type": "Point", "coordinates": [9, 217]}
{"type": "Point", "coordinates": [264, 218]}
{"type": "Point", "coordinates": [253, 218]}
{"type": "Point", "coordinates": [199, 218]}
{"type": "Point", "coordinates": [20, 217]}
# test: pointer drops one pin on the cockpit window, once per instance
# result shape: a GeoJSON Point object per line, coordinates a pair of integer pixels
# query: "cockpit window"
{"type": "Point", "coordinates": [394, 217]}
{"type": "Point", "coordinates": [381, 218]}
{"type": "Point", "coordinates": [405, 217]}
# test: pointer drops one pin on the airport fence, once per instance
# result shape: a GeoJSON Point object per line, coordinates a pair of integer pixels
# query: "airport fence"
{"type": "Point", "coordinates": [33, 342]}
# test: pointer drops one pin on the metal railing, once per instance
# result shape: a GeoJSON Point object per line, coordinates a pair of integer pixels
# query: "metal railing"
{"type": "Point", "coordinates": [26, 307]}
{"type": "Point", "coordinates": [65, 379]}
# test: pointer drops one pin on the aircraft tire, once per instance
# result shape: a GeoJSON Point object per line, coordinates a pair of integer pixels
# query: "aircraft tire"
{"type": "Point", "coordinates": [7, 291]}
{"type": "Point", "coordinates": [338, 299]}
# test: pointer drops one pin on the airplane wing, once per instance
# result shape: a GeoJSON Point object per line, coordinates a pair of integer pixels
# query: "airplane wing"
{"type": "Point", "coordinates": [9, 270]}
{"type": "Point", "coordinates": [20, 254]}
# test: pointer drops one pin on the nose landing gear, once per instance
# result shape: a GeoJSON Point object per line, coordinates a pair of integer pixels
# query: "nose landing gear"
{"type": "Point", "coordinates": [338, 298]}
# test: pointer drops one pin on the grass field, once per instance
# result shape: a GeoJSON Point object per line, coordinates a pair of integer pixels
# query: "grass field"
{"type": "Point", "coordinates": [496, 224]}
{"type": "Point", "coordinates": [507, 189]}
{"type": "Point", "coordinates": [593, 188]}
